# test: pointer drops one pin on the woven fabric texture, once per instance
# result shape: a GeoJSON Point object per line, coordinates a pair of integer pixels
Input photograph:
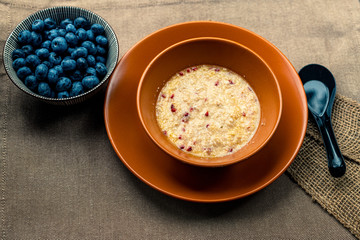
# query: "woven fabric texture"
{"type": "Point", "coordinates": [339, 196]}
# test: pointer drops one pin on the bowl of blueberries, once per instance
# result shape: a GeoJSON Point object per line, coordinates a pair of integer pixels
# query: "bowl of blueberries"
{"type": "Point", "coordinates": [61, 55]}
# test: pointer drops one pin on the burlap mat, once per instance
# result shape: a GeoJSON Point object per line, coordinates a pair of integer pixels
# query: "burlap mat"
{"type": "Point", "coordinates": [340, 197]}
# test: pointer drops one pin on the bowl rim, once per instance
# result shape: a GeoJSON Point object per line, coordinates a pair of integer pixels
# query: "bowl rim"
{"type": "Point", "coordinates": [68, 99]}
{"type": "Point", "coordinates": [207, 163]}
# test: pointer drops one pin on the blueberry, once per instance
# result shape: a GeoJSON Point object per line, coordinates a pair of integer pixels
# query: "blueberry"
{"type": "Point", "coordinates": [76, 89]}
{"type": "Point", "coordinates": [101, 69]}
{"type": "Point", "coordinates": [81, 34]}
{"type": "Point", "coordinates": [89, 82]}
{"type": "Point", "coordinates": [38, 25]}
{"type": "Point", "coordinates": [63, 94]}
{"type": "Point", "coordinates": [31, 82]}
{"type": "Point", "coordinates": [18, 53]}
{"type": "Point", "coordinates": [44, 89]}
{"type": "Point", "coordinates": [97, 29]}
{"type": "Point", "coordinates": [71, 39]}
{"type": "Point", "coordinates": [81, 64]}
{"type": "Point", "coordinates": [101, 40]}
{"type": "Point", "coordinates": [42, 53]}
{"type": "Point", "coordinates": [76, 76]}
{"type": "Point", "coordinates": [65, 22]}
{"type": "Point", "coordinates": [32, 61]}
{"type": "Point", "coordinates": [28, 49]}
{"type": "Point", "coordinates": [59, 69]}
{"type": "Point", "coordinates": [24, 37]}
{"type": "Point", "coordinates": [54, 58]}
{"type": "Point", "coordinates": [18, 63]}
{"type": "Point", "coordinates": [41, 72]}
{"type": "Point", "coordinates": [70, 28]}
{"type": "Point", "coordinates": [100, 50]}
{"type": "Point", "coordinates": [62, 32]}
{"type": "Point", "coordinates": [90, 71]}
{"type": "Point", "coordinates": [90, 46]}
{"type": "Point", "coordinates": [90, 35]}
{"type": "Point", "coordinates": [70, 50]}
{"type": "Point", "coordinates": [79, 52]}
{"type": "Point", "coordinates": [23, 72]}
{"type": "Point", "coordinates": [91, 60]}
{"type": "Point", "coordinates": [36, 39]}
{"type": "Point", "coordinates": [49, 23]}
{"type": "Point", "coordinates": [52, 34]}
{"type": "Point", "coordinates": [53, 76]}
{"type": "Point", "coordinates": [48, 64]}
{"type": "Point", "coordinates": [68, 64]}
{"type": "Point", "coordinates": [59, 45]}
{"type": "Point", "coordinates": [81, 22]}
{"type": "Point", "coordinates": [63, 84]}
{"type": "Point", "coordinates": [100, 59]}
{"type": "Point", "coordinates": [46, 44]}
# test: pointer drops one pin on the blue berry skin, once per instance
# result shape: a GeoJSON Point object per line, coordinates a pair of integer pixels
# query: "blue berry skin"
{"type": "Point", "coordinates": [32, 61]}
{"type": "Point", "coordinates": [54, 58]}
{"type": "Point", "coordinates": [70, 50]}
{"type": "Point", "coordinates": [36, 39]}
{"type": "Point", "coordinates": [89, 82]}
{"type": "Point", "coordinates": [28, 49]}
{"type": "Point", "coordinates": [31, 82]}
{"type": "Point", "coordinates": [76, 76]}
{"type": "Point", "coordinates": [44, 89]}
{"type": "Point", "coordinates": [59, 69]}
{"type": "Point", "coordinates": [38, 25]}
{"type": "Point", "coordinates": [101, 40]}
{"type": "Point", "coordinates": [90, 46]}
{"type": "Point", "coordinates": [76, 89]}
{"type": "Point", "coordinates": [68, 64]}
{"type": "Point", "coordinates": [90, 71]}
{"type": "Point", "coordinates": [63, 84]}
{"type": "Point", "coordinates": [53, 76]}
{"type": "Point", "coordinates": [18, 63]}
{"type": "Point", "coordinates": [100, 59]}
{"type": "Point", "coordinates": [70, 28]}
{"type": "Point", "coordinates": [90, 35]}
{"type": "Point", "coordinates": [100, 50]}
{"type": "Point", "coordinates": [81, 22]}
{"type": "Point", "coordinates": [49, 23]}
{"type": "Point", "coordinates": [48, 64]}
{"type": "Point", "coordinates": [18, 53]}
{"type": "Point", "coordinates": [81, 34]}
{"type": "Point", "coordinates": [65, 22]}
{"type": "Point", "coordinates": [46, 44]}
{"type": "Point", "coordinates": [41, 72]}
{"type": "Point", "coordinates": [71, 39]}
{"type": "Point", "coordinates": [91, 60]}
{"type": "Point", "coordinates": [62, 32]}
{"type": "Point", "coordinates": [64, 94]}
{"type": "Point", "coordinates": [59, 45]}
{"type": "Point", "coordinates": [24, 37]}
{"type": "Point", "coordinates": [23, 72]}
{"type": "Point", "coordinates": [97, 29]}
{"type": "Point", "coordinates": [79, 52]}
{"type": "Point", "coordinates": [101, 69]}
{"type": "Point", "coordinates": [42, 53]}
{"type": "Point", "coordinates": [52, 34]}
{"type": "Point", "coordinates": [81, 64]}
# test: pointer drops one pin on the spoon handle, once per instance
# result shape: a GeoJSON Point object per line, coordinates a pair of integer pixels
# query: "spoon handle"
{"type": "Point", "coordinates": [336, 162]}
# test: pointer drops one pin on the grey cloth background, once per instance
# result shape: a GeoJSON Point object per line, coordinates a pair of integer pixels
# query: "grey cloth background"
{"type": "Point", "coordinates": [61, 179]}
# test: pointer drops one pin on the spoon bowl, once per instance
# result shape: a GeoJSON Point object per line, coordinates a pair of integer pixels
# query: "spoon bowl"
{"type": "Point", "coordinates": [320, 89]}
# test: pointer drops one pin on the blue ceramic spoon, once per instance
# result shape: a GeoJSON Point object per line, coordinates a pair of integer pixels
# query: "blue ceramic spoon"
{"type": "Point", "coordinates": [320, 88]}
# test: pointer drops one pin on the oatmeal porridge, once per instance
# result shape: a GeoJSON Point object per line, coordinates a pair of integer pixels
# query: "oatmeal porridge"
{"type": "Point", "coordinates": [208, 111]}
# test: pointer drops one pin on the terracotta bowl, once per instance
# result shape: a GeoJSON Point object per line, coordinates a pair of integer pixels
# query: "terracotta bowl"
{"type": "Point", "coordinates": [212, 51]}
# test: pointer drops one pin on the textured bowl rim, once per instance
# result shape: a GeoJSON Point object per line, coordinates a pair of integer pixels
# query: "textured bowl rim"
{"type": "Point", "coordinates": [209, 163]}
{"type": "Point", "coordinates": [68, 99]}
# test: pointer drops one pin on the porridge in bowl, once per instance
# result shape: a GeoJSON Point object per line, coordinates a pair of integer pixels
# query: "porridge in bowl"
{"type": "Point", "coordinates": [208, 111]}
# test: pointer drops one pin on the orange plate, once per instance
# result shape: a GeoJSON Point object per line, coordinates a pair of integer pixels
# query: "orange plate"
{"type": "Point", "coordinates": [170, 176]}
